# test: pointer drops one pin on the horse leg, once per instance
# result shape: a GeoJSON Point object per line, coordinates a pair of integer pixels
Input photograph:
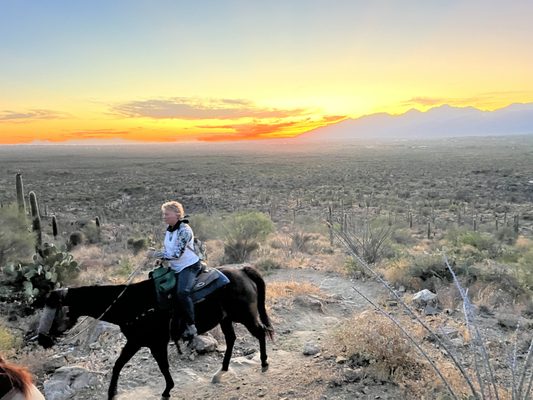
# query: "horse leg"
{"type": "Point", "coordinates": [126, 354]}
{"type": "Point", "coordinates": [258, 331]}
{"type": "Point", "coordinates": [229, 335]}
{"type": "Point", "coordinates": [160, 354]}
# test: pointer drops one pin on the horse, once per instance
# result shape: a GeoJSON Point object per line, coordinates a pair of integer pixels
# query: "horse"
{"type": "Point", "coordinates": [16, 383]}
{"type": "Point", "coordinates": [144, 324]}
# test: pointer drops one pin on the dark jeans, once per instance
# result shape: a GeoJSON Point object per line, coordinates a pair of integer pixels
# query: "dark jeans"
{"type": "Point", "coordinates": [186, 279]}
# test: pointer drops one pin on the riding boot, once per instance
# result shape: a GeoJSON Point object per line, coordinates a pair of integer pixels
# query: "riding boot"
{"type": "Point", "coordinates": [188, 307]}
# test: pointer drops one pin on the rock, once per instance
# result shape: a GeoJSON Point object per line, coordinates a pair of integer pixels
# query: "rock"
{"type": "Point", "coordinates": [353, 375]}
{"type": "Point", "coordinates": [458, 342]}
{"type": "Point", "coordinates": [430, 310]}
{"type": "Point", "coordinates": [507, 320]}
{"type": "Point", "coordinates": [310, 349]}
{"type": "Point", "coordinates": [307, 301]}
{"type": "Point", "coordinates": [204, 344]}
{"type": "Point", "coordinates": [98, 332]}
{"type": "Point", "coordinates": [424, 297]}
{"type": "Point", "coordinates": [54, 363]}
{"type": "Point", "coordinates": [66, 381]}
{"type": "Point", "coordinates": [447, 332]}
{"type": "Point", "coordinates": [341, 360]}
{"type": "Point", "coordinates": [511, 321]}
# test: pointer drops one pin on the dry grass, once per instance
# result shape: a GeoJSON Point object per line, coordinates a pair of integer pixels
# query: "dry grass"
{"type": "Point", "coordinates": [288, 290]}
{"type": "Point", "coordinates": [379, 347]}
{"type": "Point", "coordinates": [8, 340]}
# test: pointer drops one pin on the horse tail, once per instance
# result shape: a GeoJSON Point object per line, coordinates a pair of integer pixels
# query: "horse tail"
{"type": "Point", "coordinates": [256, 277]}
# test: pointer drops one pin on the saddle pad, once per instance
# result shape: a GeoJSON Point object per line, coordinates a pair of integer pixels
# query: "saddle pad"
{"type": "Point", "coordinates": [207, 283]}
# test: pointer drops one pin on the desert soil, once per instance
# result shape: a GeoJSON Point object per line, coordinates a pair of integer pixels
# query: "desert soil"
{"type": "Point", "coordinates": [300, 321]}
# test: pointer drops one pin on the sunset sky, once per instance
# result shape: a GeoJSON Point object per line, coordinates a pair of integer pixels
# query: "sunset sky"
{"type": "Point", "coordinates": [153, 70]}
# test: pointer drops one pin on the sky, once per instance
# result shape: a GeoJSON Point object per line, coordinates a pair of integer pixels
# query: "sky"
{"type": "Point", "coordinates": [156, 70]}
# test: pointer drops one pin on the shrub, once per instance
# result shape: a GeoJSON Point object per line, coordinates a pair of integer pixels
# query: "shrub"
{"type": "Point", "coordinates": [16, 241]}
{"type": "Point", "coordinates": [205, 227]}
{"type": "Point", "coordinates": [7, 339]}
{"type": "Point", "coordinates": [506, 235]}
{"type": "Point", "coordinates": [137, 245]}
{"type": "Point", "coordinates": [91, 232]}
{"type": "Point", "coordinates": [267, 264]}
{"type": "Point", "coordinates": [524, 270]}
{"type": "Point", "coordinates": [354, 268]}
{"type": "Point", "coordinates": [372, 240]}
{"type": "Point", "coordinates": [403, 236]}
{"type": "Point", "coordinates": [376, 343]}
{"type": "Point", "coordinates": [243, 233]}
{"type": "Point", "coordinates": [75, 239]}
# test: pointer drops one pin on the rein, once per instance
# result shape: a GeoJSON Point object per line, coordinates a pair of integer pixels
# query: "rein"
{"type": "Point", "coordinates": [128, 283]}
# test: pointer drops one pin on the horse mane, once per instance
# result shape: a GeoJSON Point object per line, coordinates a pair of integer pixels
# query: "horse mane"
{"type": "Point", "coordinates": [14, 376]}
{"type": "Point", "coordinates": [123, 301]}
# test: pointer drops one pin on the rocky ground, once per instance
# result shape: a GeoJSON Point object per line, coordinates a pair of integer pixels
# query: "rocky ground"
{"type": "Point", "coordinates": [301, 366]}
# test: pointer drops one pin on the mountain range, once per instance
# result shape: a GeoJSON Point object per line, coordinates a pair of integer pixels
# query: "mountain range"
{"type": "Point", "coordinates": [439, 122]}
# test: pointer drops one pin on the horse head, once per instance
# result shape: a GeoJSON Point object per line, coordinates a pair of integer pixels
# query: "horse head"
{"type": "Point", "coordinates": [55, 319]}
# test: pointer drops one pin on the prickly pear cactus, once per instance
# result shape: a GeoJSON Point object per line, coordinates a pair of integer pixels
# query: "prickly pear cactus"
{"type": "Point", "coordinates": [32, 281]}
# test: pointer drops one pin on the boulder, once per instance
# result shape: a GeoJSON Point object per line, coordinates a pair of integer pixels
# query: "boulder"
{"type": "Point", "coordinates": [204, 343]}
{"type": "Point", "coordinates": [310, 302]}
{"type": "Point", "coordinates": [66, 381]}
{"type": "Point", "coordinates": [310, 349]}
{"type": "Point", "coordinates": [425, 297]}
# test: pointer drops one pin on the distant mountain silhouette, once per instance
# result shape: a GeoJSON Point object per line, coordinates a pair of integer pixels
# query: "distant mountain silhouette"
{"type": "Point", "coordinates": [439, 122]}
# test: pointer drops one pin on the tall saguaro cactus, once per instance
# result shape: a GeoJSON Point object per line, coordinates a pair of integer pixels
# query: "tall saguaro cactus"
{"type": "Point", "coordinates": [20, 194]}
{"type": "Point", "coordinates": [54, 226]}
{"type": "Point", "coordinates": [36, 221]}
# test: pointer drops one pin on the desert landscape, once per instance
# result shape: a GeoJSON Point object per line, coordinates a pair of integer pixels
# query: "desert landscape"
{"type": "Point", "coordinates": [324, 223]}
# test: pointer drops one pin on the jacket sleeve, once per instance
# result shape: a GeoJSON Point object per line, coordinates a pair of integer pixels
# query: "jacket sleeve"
{"type": "Point", "coordinates": [182, 238]}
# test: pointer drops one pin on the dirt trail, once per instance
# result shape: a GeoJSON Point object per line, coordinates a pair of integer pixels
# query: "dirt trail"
{"type": "Point", "coordinates": [292, 375]}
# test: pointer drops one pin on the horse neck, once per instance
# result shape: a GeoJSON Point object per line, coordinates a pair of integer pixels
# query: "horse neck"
{"type": "Point", "coordinates": [115, 302]}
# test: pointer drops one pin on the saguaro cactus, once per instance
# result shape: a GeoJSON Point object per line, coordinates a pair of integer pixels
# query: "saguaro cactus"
{"type": "Point", "coordinates": [20, 194]}
{"type": "Point", "coordinates": [54, 226]}
{"type": "Point", "coordinates": [36, 221]}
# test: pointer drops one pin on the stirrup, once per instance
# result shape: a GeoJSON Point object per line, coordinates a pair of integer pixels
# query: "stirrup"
{"type": "Point", "coordinates": [190, 332]}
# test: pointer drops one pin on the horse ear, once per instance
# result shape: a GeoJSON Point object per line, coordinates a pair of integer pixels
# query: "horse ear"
{"type": "Point", "coordinates": [54, 298]}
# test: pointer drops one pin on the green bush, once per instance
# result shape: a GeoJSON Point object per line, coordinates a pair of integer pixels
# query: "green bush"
{"type": "Point", "coordinates": [473, 246]}
{"type": "Point", "coordinates": [243, 233]}
{"type": "Point", "coordinates": [137, 245]}
{"type": "Point", "coordinates": [506, 235]}
{"type": "Point", "coordinates": [205, 227]}
{"type": "Point", "coordinates": [91, 232]}
{"type": "Point", "coordinates": [524, 270]}
{"type": "Point", "coordinates": [16, 240]}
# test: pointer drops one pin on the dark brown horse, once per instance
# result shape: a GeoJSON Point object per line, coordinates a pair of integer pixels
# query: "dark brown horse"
{"type": "Point", "coordinates": [144, 325]}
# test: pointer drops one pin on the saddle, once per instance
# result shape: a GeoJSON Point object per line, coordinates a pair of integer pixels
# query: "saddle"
{"type": "Point", "coordinates": [206, 282]}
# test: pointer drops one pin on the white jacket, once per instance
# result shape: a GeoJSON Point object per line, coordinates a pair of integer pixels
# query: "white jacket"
{"type": "Point", "coordinates": [179, 247]}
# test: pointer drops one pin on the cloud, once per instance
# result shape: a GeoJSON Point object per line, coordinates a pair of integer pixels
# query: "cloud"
{"type": "Point", "coordinates": [425, 101]}
{"type": "Point", "coordinates": [187, 108]}
{"type": "Point", "coordinates": [489, 99]}
{"type": "Point", "coordinates": [14, 116]}
{"type": "Point", "coordinates": [266, 130]}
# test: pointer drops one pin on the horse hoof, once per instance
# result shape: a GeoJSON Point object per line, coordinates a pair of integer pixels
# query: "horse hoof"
{"type": "Point", "coordinates": [217, 378]}
{"type": "Point", "coordinates": [165, 397]}
{"type": "Point", "coordinates": [264, 368]}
